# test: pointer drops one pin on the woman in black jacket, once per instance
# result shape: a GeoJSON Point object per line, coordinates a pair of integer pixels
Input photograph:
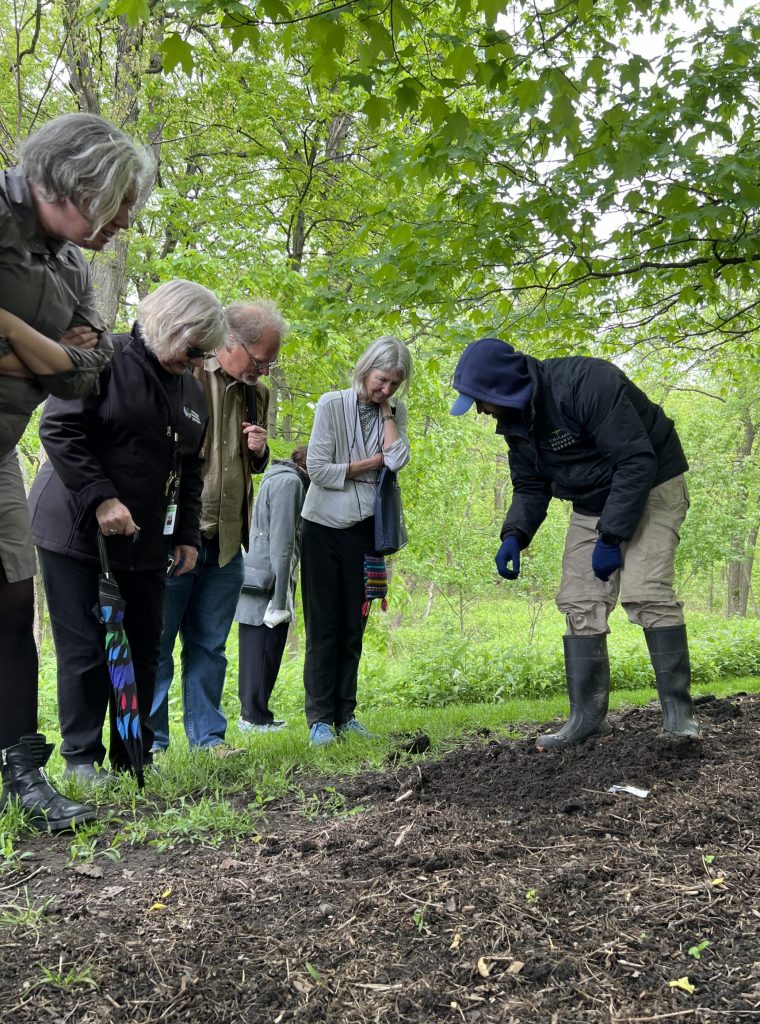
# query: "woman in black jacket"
{"type": "Point", "coordinates": [124, 461]}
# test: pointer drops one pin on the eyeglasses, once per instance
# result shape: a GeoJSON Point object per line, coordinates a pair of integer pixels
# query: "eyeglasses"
{"type": "Point", "coordinates": [258, 366]}
{"type": "Point", "coordinates": [196, 353]}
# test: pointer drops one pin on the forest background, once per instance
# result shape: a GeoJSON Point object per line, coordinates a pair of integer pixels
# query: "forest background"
{"type": "Point", "coordinates": [578, 177]}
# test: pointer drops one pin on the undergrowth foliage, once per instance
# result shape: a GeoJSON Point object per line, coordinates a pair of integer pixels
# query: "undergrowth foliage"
{"type": "Point", "coordinates": [493, 662]}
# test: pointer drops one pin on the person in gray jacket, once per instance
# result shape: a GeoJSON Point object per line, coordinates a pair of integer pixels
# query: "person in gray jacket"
{"type": "Point", "coordinates": [356, 432]}
{"type": "Point", "coordinates": [77, 180]}
{"type": "Point", "coordinates": [266, 607]}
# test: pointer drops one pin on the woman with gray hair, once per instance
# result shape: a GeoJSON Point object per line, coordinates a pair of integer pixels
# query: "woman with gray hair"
{"type": "Point", "coordinates": [124, 461]}
{"type": "Point", "coordinates": [78, 178]}
{"type": "Point", "coordinates": [355, 433]}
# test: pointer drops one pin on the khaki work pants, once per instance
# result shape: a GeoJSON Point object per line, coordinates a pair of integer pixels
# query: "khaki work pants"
{"type": "Point", "coordinates": [645, 581]}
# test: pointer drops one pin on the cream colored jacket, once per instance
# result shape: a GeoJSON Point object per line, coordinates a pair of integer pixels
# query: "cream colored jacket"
{"type": "Point", "coordinates": [336, 439]}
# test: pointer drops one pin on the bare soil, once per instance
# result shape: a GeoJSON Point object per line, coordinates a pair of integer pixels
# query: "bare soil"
{"type": "Point", "coordinates": [494, 884]}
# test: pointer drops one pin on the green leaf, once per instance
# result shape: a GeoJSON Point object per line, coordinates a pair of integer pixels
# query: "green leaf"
{"type": "Point", "coordinates": [630, 73]}
{"type": "Point", "coordinates": [174, 51]}
{"type": "Point", "coordinates": [242, 34]}
{"type": "Point", "coordinates": [376, 110]}
{"type": "Point", "coordinates": [336, 37]}
{"type": "Point", "coordinates": [461, 60]}
{"type": "Point", "coordinates": [529, 94]}
{"type": "Point", "coordinates": [408, 95]}
{"type": "Point", "coordinates": [457, 126]}
{"type": "Point", "coordinates": [435, 110]}
{"type": "Point", "coordinates": [563, 121]}
{"type": "Point", "coordinates": [275, 10]}
{"type": "Point", "coordinates": [134, 11]}
{"type": "Point", "coordinates": [379, 39]}
{"type": "Point", "coordinates": [492, 9]}
{"type": "Point", "coordinates": [401, 234]}
{"type": "Point", "coordinates": [595, 71]}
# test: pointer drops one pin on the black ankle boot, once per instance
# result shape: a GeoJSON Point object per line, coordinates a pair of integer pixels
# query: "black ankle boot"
{"type": "Point", "coordinates": [669, 651]}
{"type": "Point", "coordinates": [587, 668]}
{"type": "Point", "coordinates": [25, 781]}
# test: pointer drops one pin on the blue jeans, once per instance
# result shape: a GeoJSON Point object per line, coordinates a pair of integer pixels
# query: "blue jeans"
{"type": "Point", "coordinates": [200, 606]}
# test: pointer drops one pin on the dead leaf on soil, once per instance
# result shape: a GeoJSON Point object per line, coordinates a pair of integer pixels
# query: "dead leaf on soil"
{"type": "Point", "coordinates": [484, 967]}
{"type": "Point", "coordinates": [684, 984]}
{"type": "Point", "coordinates": [159, 904]}
{"type": "Point", "coordinates": [90, 870]}
{"type": "Point", "coordinates": [112, 891]}
{"type": "Point", "coordinates": [403, 834]}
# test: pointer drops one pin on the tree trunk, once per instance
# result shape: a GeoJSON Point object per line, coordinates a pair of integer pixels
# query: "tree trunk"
{"type": "Point", "coordinates": [739, 567]}
{"type": "Point", "coordinates": [739, 579]}
{"type": "Point", "coordinates": [133, 56]}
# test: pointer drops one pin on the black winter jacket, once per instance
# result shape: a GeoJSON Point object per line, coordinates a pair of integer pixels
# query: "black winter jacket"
{"type": "Point", "coordinates": [595, 440]}
{"type": "Point", "coordinates": [119, 443]}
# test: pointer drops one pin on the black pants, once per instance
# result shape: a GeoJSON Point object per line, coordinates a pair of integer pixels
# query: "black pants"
{"type": "Point", "coordinates": [18, 660]}
{"type": "Point", "coordinates": [332, 587]}
{"type": "Point", "coordinates": [260, 657]}
{"type": "Point", "coordinates": [84, 686]}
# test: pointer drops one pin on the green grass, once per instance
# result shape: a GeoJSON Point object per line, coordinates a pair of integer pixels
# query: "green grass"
{"type": "Point", "coordinates": [421, 673]}
{"type": "Point", "coordinates": [24, 912]}
{"type": "Point", "coordinates": [194, 798]}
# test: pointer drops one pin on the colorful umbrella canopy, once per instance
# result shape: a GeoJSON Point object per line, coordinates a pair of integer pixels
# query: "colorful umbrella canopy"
{"type": "Point", "coordinates": [120, 667]}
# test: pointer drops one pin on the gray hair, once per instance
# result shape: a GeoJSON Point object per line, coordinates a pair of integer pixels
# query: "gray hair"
{"type": "Point", "coordinates": [248, 321]}
{"type": "Point", "coordinates": [86, 159]}
{"type": "Point", "coordinates": [384, 353]}
{"type": "Point", "coordinates": [179, 315]}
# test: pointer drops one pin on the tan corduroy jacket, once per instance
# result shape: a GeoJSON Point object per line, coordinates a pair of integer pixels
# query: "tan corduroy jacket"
{"type": "Point", "coordinates": [227, 501]}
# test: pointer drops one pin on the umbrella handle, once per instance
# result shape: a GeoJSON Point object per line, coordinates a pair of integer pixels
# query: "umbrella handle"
{"type": "Point", "coordinates": [103, 551]}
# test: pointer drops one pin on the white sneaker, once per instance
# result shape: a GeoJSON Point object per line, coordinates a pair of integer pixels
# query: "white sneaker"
{"type": "Point", "coordinates": [275, 726]}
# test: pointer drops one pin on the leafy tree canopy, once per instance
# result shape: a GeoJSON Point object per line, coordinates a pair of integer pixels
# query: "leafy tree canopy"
{"type": "Point", "coordinates": [570, 185]}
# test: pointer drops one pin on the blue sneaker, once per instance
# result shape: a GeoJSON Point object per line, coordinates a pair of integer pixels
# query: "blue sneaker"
{"type": "Point", "coordinates": [321, 734]}
{"type": "Point", "coordinates": [355, 726]}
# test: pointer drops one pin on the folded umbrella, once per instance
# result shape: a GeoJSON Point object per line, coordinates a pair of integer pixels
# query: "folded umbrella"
{"type": "Point", "coordinates": [119, 660]}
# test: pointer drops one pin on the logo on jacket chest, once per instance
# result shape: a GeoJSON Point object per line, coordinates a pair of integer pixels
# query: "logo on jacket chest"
{"type": "Point", "coordinates": [191, 414]}
{"type": "Point", "coordinates": [557, 440]}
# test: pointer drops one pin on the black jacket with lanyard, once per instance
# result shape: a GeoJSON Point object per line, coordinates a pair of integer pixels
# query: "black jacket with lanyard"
{"type": "Point", "coordinates": [138, 440]}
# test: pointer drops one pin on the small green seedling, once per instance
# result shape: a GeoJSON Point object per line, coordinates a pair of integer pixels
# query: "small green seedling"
{"type": "Point", "coordinates": [696, 951]}
{"type": "Point", "coordinates": [314, 973]}
{"type": "Point", "coordinates": [418, 916]}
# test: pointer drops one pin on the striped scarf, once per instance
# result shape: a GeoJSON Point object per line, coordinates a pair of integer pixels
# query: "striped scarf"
{"type": "Point", "coordinates": [375, 582]}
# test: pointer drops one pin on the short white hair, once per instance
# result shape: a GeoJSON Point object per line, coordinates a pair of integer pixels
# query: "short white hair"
{"type": "Point", "coordinates": [179, 315]}
{"type": "Point", "coordinates": [84, 158]}
{"type": "Point", "coordinates": [384, 353]}
{"type": "Point", "coordinates": [248, 321]}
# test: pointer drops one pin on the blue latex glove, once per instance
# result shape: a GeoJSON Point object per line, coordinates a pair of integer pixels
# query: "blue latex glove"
{"type": "Point", "coordinates": [508, 552]}
{"type": "Point", "coordinates": [606, 559]}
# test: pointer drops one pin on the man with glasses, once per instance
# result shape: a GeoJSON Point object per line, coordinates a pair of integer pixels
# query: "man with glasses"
{"type": "Point", "coordinates": [200, 605]}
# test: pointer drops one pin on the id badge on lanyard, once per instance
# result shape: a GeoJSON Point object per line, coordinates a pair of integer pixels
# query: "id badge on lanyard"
{"type": "Point", "coordinates": [172, 491]}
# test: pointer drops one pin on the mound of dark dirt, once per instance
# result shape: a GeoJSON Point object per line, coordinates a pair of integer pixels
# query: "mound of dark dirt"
{"type": "Point", "coordinates": [497, 884]}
